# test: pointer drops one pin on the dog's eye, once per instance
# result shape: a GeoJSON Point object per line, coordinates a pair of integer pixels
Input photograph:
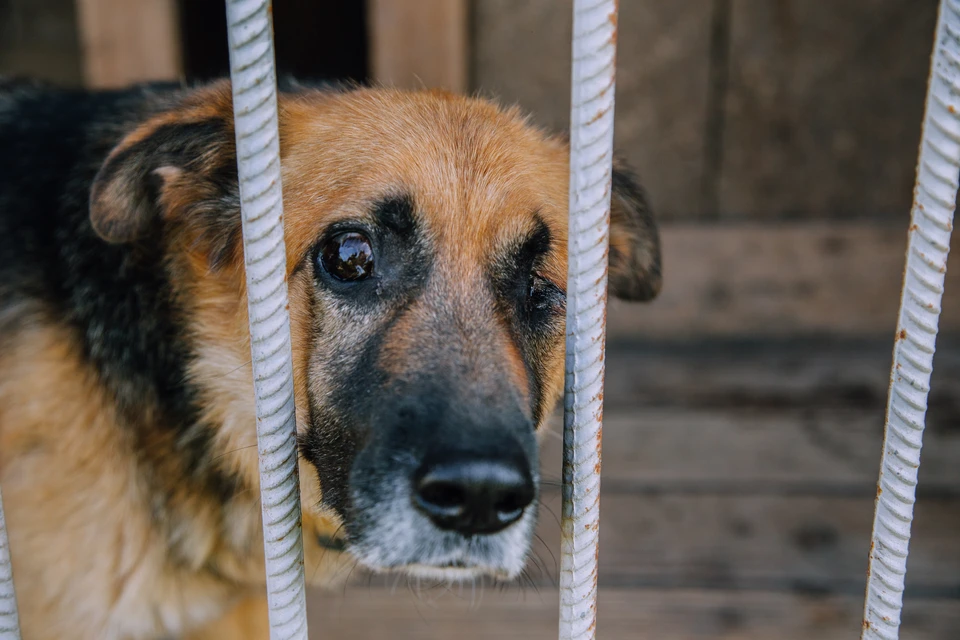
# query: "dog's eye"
{"type": "Point", "coordinates": [348, 257]}
{"type": "Point", "coordinates": [543, 295]}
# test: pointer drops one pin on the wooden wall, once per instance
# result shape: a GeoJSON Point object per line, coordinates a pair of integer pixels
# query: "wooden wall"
{"type": "Point", "coordinates": [739, 109]}
{"type": "Point", "coordinates": [39, 38]}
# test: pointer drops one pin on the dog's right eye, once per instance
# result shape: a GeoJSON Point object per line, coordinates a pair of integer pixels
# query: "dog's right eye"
{"type": "Point", "coordinates": [347, 257]}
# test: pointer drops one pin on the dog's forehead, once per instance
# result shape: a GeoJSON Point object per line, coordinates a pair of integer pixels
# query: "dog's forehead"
{"type": "Point", "coordinates": [478, 175]}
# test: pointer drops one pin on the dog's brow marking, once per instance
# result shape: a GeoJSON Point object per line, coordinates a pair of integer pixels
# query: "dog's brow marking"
{"type": "Point", "coordinates": [396, 213]}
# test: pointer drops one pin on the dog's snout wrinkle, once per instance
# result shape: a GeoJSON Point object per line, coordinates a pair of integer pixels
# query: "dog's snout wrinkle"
{"type": "Point", "coordinates": [473, 496]}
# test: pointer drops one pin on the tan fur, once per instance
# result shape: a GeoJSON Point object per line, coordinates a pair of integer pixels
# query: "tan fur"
{"type": "Point", "coordinates": [246, 620]}
{"type": "Point", "coordinates": [87, 557]}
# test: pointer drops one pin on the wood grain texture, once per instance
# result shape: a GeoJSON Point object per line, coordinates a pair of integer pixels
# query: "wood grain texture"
{"type": "Point", "coordinates": [754, 467]}
{"type": "Point", "coordinates": [364, 613]}
{"type": "Point", "coordinates": [419, 43]}
{"type": "Point", "coordinates": [819, 115]}
{"type": "Point", "coordinates": [521, 54]}
{"type": "Point", "coordinates": [755, 542]}
{"type": "Point", "coordinates": [824, 107]}
{"type": "Point", "coordinates": [125, 42]}
{"type": "Point", "coordinates": [39, 39]}
{"type": "Point", "coordinates": [762, 417]}
{"type": "Point", "coordinates": [779, 279]}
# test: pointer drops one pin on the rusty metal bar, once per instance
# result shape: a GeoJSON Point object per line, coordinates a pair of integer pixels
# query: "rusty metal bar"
{"type": "Point", "coordinates": [935, 195]}
{"type": "Point", "coordinates": [9, 620]}
{"type": "Point", "coordinates": [591, 166]}
{"type": "Point", "coordinates": [253, 73]}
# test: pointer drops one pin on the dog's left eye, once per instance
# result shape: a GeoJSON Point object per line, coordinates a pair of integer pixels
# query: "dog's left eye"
{"type": "Point", "coordinates": [543, 295]}
{"type": "Point", "coordinates": [347, 257]}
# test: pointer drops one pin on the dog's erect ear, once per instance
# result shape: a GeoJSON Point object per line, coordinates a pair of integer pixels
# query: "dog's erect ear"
{"type": "Point", "coordinates": [180, 165]}
{"type": "Point", "coordinates": [634, 240]}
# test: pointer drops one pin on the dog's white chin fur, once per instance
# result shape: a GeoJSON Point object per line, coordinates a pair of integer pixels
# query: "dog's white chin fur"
{"type": "Point", "coordinates": [447, 574]}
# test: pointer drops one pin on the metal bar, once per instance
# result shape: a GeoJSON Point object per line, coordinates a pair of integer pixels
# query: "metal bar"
{"type": "Point", "coordinates": [9, 620]}
{"type": "Point", "coordinates": [252, 71]}
{"type": "Point", "coordinates": [938, 178]}
{"type": "Point", "coordinates": [591, 166]}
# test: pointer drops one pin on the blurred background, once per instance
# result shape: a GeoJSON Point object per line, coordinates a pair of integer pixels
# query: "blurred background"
{"type": "Point", "coordinates": [744, 408]}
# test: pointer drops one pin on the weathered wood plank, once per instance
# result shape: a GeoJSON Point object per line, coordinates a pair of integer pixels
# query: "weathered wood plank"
{"type": "Point", "coordinates": [811, 452]}
{"type": "Point", "coordinates": [774, 416]}
{"type": "Point", "coordinates": [521, 54]}
{"type": "Point", "coordinates": [39, 39]}
{"type": "Point", "coordinates": [419, 43]}
{"type": "Point", "coordinates": [818, 114]}
{"type": "Point", "coordinates": [125, 42]}
{"type": "Point", "coordinates": [824, 107]}
{"type": "Point", "coordinates": [755, 466]}
{"type": "Point", "coordinates": [363, 613]}
{"type": "Point", "coordinates": [779, 280]}
{"type": "Point", "coordinates": [750, 542]}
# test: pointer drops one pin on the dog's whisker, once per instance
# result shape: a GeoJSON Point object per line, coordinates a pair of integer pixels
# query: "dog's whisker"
{"type": "Point", "coordinates": [333, 537]}
{"type": "Point", "coordinates": [550, 510]}
{"type": "Point", "coordinates": [226, 453]}
{"type": "Point", "coordinates": [323, 554]}
{"type": "Point", "coordinates": [346, 582]}
{"type": "Point", "coordinates": [233, 371]}
{"type": "Point", "coordinates": [416, 602]}
{"type": "Point", "coordinates": [553, 558]}
{"type": "Point", "coordinates": [534, 560]}
{"type": "Point", "coordinates": [532, 584]}
{"type": "Point", "coordinates": [396, 581]}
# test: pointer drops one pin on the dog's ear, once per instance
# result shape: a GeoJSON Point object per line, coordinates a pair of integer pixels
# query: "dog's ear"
{"type": "Point", "coordinates": [180, 166]}
{"type": "Point", "coordinates": [634, 240]}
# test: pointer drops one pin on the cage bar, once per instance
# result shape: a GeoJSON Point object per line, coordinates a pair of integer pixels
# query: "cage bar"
{"type": "Point", "coordinates": [253, 73]}
{"type": "Point", "coordinates": [935, 195]}
{"type": "Point", "coordinates": [9, 620]}
{"type": "Point", "coordinates": [591, 170]}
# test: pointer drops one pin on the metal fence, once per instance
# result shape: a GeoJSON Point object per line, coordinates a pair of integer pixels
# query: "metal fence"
{"type": "Point", "coordinates": [252, 70]}
{"type": "Point", "coordinates": [934, 200]}
{"type": "Point", "coordinates": [591, 151]}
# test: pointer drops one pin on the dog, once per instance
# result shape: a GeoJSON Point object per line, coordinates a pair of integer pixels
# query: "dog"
{"type": "Point", "coordinates": [426, 239]}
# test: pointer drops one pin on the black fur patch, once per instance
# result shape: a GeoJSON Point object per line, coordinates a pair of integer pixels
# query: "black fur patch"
{"type": "Point", "coordinates": [338, 429]}
{"type": "Point", "coordinates": [205, 154]}
{"type": "Point", "coordinates": [531, 306]}
{"type": "Point", "coordinates": [118, 299]}
{"type": "Point", "coordinates": [397, 215]}
{"type": "Point", "coordinates": [634, 274]}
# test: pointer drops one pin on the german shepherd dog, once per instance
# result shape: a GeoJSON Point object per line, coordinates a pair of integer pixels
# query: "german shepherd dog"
{"type": "Point", "coordinates": [426, 240]}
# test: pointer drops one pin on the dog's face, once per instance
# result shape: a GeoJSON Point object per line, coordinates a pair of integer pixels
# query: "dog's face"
{"type": "Point", "coordinates": [426, 240]}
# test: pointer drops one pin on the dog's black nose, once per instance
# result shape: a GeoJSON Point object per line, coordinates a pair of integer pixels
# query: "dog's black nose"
{"type": "Point", "coordinates": [473, 496]}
